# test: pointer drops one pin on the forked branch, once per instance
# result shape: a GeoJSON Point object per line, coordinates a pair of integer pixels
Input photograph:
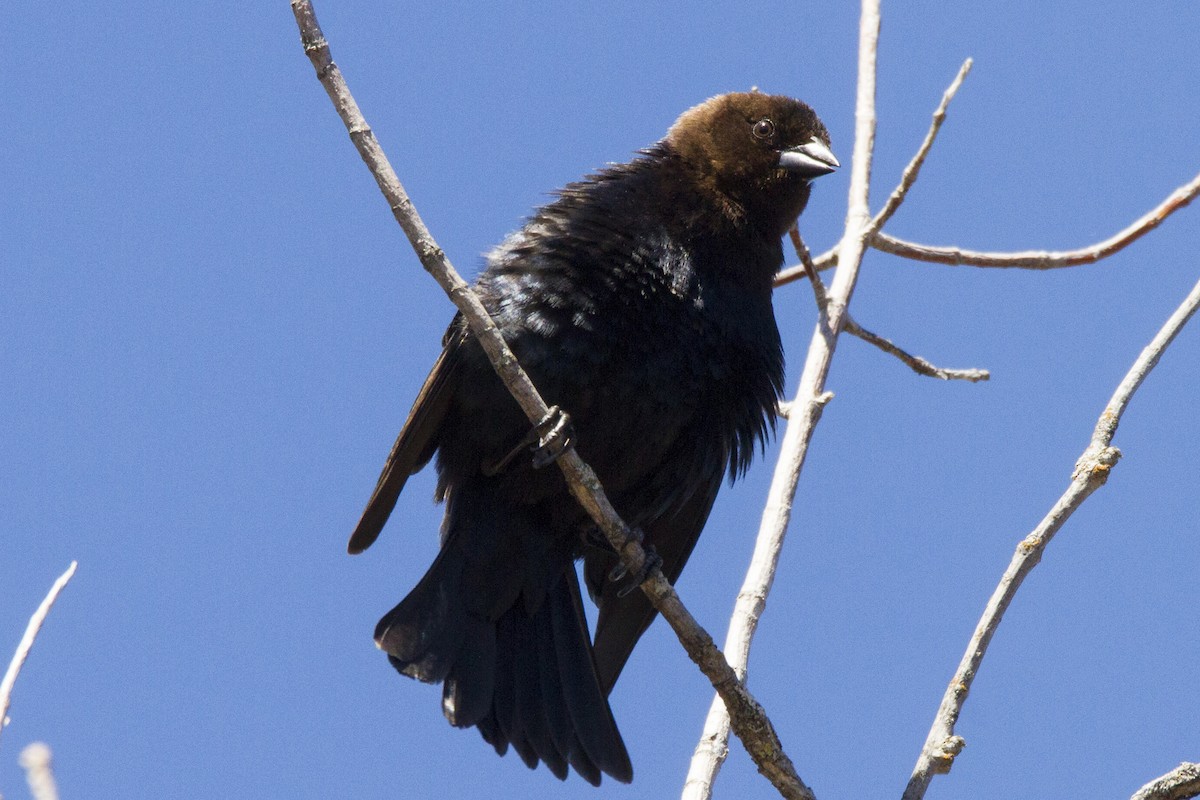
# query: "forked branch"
{"type": "Point", "coordinates": [1091, 471]}
{"type": "Point", "coordinates": [907, 179]}
{"type": "Point", "coordinates": [916, 363]}
{"type": "Point", "coordinates": [803, 411]}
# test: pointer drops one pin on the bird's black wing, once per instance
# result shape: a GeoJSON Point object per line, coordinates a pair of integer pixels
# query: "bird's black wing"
{"type": "Point", "coordinates": [417, 440]}
{"type": "Point", "coordinates": [623, 620]}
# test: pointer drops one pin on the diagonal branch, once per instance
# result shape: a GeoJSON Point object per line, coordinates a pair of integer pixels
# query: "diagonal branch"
{"type": "Point", "coordinates": [1181, 783]}
{"type": "Point", "coordinates": [916, 363]}
{"type": "Point", "coordinates": [804, 412]}
{"type": "Point", "coordinates": [809, 269]}
{"type": "Point", "coordinates": [907, 179]}
{"type": "Point", "coordinates": [750, 721]}
{"type": "Point", "coordinates": [26, 643]}
{"type": "Point", "coordinates": [909, 176]}
{"type": "Point", "coordinates": [1091, 471]}
{"type": "Point", "coordinates": [1043, 259]}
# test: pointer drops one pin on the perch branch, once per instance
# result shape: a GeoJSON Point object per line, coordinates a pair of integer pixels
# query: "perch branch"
{"type": "Point", "coordinates": [1091, 471]}
{"type": "Point", "coordinates": [750, 721]}
{"type": "Point", "coordinates": [26, 643]}
{"type": "Point", "coordinates": [803, 414]}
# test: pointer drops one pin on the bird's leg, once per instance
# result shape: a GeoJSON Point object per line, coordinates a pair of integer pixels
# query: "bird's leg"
{"type": "Point", "coordinates": [594, 539]}
{"type": "Point", "coordinates": [548, 440]}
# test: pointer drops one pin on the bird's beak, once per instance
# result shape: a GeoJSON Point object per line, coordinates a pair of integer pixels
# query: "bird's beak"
{"type": "Point", "coordinates": [811, 160]}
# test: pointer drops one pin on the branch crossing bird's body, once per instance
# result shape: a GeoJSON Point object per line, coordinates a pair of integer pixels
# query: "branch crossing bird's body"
{"type": "Point", "coordinates": [639, 302]}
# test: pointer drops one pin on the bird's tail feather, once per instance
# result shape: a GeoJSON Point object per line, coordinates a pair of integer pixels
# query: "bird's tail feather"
{"type": "Point", "coordinates": [524, 675]}
{"type": "Point", "coordinates": [547, 701]}
{"type": "Point", "coordinates": [423, 635]}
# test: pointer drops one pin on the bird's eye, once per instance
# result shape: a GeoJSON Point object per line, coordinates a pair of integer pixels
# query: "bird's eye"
{"type": "Point", "coordinates": [764, 129]}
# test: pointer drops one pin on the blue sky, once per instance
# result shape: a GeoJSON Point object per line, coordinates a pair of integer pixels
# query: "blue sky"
{"type": "Point", "coordinates": [211, 330]}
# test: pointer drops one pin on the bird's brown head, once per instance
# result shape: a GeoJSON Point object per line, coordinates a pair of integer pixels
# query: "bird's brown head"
{"type": "Point", "coordinates": [758, 150]}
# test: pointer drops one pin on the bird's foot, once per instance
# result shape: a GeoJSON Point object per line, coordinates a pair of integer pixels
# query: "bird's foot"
{"type": "Point", "coordinates": [548, 440]}
{"type": "Point", "coordinates": [620, 573]}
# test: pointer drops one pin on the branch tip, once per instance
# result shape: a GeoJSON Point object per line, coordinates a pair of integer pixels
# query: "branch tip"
{"type": "Point", "coordinates": [1039, 259]}
{"type": "Point", "coordinates": [26, 644]}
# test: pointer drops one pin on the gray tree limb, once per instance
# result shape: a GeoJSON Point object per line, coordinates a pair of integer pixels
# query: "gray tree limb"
{"type": "Point", "coordinates": [750, 721]}
{"type": "Point", "coordinates": [1091, 471]}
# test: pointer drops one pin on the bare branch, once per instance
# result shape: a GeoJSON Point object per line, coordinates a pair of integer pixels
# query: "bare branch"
{"type": "Point", "coordinates": [750, 721]}
{"type": "Point", "coordinates": [1181, 783]}
{"type": "Point", "coordinates": [918, 364]}
{"type": "Point", "coordinates": [1042, 259]}
{"type": "Point", "coordinates": [26, 643]}
{"type": "Point", "coordinates": [803, 414]}
{"type": "Point", "coordinates": [909, 176]}
{"type": "Point", "coordinates": [35, 759]}
{"type": "Point", "coordinates": [907, 179]}
{"type": "Point", "coordinates": [808, 268]}
{"type": "Point", "coordinates": [1091, 471]}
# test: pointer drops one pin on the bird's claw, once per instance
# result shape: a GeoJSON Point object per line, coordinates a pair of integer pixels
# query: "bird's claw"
{"type": "Point", "coordinates": [555, 435]}
{"type": "Point", "coordinates": [620, 570]}
{"type": "Point", "coordinates": [548, 440]}
{"type": "Point", "coordinates": [620, 573]}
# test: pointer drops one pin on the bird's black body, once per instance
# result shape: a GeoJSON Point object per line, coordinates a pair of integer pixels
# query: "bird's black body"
{"type": "Point", "coordinates": [639, 302]}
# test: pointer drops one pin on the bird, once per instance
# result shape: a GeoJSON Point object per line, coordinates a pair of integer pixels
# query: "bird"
{"type": "Point", "coordinates": [639, 302]}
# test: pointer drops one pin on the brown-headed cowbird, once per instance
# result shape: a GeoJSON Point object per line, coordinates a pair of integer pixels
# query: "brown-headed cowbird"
{"type": "Point", "coordinates": [639, 302]}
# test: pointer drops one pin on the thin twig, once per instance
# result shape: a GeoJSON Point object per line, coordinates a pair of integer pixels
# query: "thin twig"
{"type": "Point", "coordinates": [26, 643]}
{"type": "Point", "coordinates": [1091, 471]}
{"type": "Point", "coordinates": [35, 759]}
{"type": "Point", "coordinates": [804, 412]}
{"type": "Point", "coordinates": [1181, 783]}
{"type": "Point", "coordinates": [918, 364]}
{"type": "Point", "coordinates": [750, 721]}
{"type": "Point", "coordinates": [909, 176]}
{"type": "Point", "coordinates": [808, 268]}
{"type": "Point", "coordinates": [1042, 259]}
{"type": "Point", "coordinates": [907, 179]}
